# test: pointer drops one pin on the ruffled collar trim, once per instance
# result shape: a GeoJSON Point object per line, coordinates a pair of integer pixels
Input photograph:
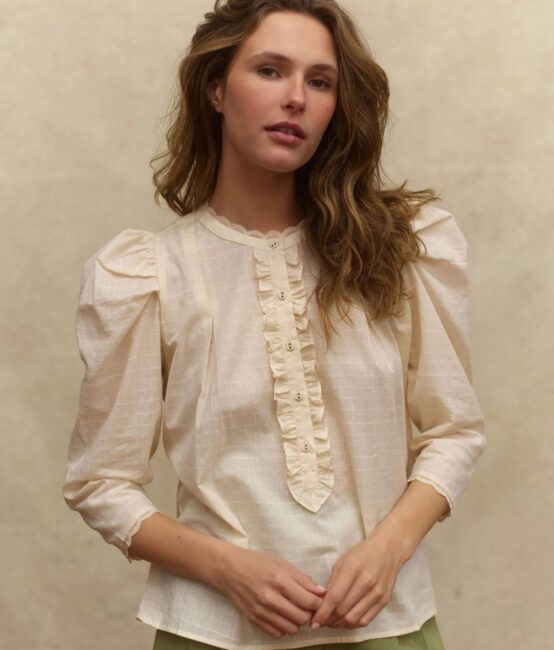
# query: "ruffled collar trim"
{"type": "Point", "coordinates": [228, 229]}
{"type": "Point", "coordinates": [252, 232]}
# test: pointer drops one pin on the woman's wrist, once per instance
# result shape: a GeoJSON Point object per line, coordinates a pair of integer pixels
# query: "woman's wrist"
{"type": "Point", "coordinates": [391, 533]}
{"type": "Point", "coordinates": [225, 555]}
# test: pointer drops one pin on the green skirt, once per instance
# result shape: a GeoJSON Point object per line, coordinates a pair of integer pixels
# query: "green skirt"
{"type": "Point", "coordinates": [426, 638]}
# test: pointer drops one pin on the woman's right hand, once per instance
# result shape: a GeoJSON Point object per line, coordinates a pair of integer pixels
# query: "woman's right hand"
{"type": "Point", "coordinates": [269, 591]}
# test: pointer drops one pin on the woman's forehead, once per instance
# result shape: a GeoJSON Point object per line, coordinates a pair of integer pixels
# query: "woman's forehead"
{"type": "Point", "coordinates": [298, 38]}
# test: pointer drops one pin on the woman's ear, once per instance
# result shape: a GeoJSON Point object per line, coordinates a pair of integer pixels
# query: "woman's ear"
{"type": "Point", "coordinates": [214, 94]}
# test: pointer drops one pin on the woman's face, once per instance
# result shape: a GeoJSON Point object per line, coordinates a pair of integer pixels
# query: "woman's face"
{"type": "Point", "coordinates": [261, 91]}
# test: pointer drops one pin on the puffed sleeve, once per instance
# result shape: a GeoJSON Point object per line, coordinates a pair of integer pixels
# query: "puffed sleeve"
{"type": "Point", "coordinates": [440, 398]}
{"type": "Point", "coordinates": [118, 423]}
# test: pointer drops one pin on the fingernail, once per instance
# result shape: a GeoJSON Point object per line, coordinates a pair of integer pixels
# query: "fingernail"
{"type": "Point", "coordinates": [314, 626]}
{"type": "Point", "coordinates": [321, 587]}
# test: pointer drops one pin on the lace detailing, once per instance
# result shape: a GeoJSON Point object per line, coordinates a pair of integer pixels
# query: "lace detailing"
{"type": "Point", "coordinates": [254, 233]}
{"type": "Point", "coordinates": [297, 389]}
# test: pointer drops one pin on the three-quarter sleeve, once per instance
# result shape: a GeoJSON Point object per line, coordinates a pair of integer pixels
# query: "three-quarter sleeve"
{"type": "Point", "coordinates": [118, 423]}
{"type": "Point", "coordinates": [440, 398]}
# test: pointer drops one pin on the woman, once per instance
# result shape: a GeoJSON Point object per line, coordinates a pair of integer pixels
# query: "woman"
{"type": "Point", "coordinates": [303, 494]}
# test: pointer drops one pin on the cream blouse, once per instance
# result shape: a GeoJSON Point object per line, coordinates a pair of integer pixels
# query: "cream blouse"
{"type": "Point", "coordinates": [278, 444]}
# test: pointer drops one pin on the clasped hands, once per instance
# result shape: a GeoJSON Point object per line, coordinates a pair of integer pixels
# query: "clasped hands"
{"type": "Point", "coordinates": [276, 596]}
{"type": "Point", "coordinates": [360, 585]}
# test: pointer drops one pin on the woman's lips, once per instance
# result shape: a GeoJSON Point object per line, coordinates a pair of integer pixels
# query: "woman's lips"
{"type": "Point", "coordinates": [284, 138]}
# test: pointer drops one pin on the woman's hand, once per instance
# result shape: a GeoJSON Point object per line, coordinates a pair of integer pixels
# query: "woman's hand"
{"type": "Point", "coordinates": [361, 583]}
{"type": "Point", "coordinates": [269, 591]}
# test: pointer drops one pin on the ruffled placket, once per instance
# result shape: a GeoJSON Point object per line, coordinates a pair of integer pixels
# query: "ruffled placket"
{"type": "Point", "coordinates": [297, 388]}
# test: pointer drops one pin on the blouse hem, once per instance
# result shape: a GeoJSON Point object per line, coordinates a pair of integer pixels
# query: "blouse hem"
{"type": "Point", "coordinates": [159, 620]}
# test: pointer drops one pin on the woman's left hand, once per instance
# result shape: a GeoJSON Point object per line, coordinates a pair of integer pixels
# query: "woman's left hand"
{"type": "Point", "coordinates": [361, 583]}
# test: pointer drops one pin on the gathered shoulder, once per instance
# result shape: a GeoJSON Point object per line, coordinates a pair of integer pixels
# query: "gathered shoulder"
{"type": "Point", "coordinates": [438, 229]}
{"type": "Point", "coordinates": [132, 252]}
{"type": "Point", "coordinates": [119, 277]}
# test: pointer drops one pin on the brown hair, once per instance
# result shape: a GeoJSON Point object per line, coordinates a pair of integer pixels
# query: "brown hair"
{"type": "Point", "coordinates": [358, 231]}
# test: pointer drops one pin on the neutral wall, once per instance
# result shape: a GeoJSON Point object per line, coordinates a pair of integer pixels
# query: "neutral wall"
{"type": "Point", "coordinates": [84, 86]}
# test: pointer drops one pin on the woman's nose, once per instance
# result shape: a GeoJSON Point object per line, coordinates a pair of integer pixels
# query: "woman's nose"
{"type": "Point", "coordinates": [296, 93]}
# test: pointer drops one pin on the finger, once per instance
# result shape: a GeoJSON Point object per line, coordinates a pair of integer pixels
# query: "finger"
{"type": "Point", "coordinates": [372, 612]}
{"type": "Point", "coordinates": [297, 594]}
{"type": "Point", "coordinates": [325, 609]}
{"type": "Point", "coordinates": [267, 627]}
{"type": "Point", "coordinates": [282, 606]}
{"type": "Point", "coordinates": [363, 594]}
{"type": "Point", "coordinates": [359, 598]}
{"type": "Point", "coordinates": [321, 615]}
{"type": "Point", "coordinates": [336, 592]}
{"type": "Point", "coordinates": [282, 623]}
{"type": "Point", "coordinates": [356, 594]}
{"type": "Point", "coordinates": [361, 614]}
{"type": "Point", "coordinates": [306, 583]}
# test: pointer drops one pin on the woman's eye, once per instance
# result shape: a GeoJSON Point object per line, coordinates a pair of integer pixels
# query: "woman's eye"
{"type": "Point", "coordinates": [265, 67]}
{"type": "Point", "coordinates": [323, 83]}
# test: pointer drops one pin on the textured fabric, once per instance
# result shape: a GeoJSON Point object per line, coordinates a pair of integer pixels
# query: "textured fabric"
{"type": "Point", "coordinates": [205, 331]}
{"type": "Point", "coordinates": [428, 637]}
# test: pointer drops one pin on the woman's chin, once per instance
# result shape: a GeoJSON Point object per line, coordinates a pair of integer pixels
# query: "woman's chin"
{"type": "Point", "coordinates": [283, 163]}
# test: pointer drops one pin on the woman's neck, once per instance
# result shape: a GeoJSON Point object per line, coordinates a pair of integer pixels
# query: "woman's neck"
{"type": "Point", "coordinates": [257, 215]}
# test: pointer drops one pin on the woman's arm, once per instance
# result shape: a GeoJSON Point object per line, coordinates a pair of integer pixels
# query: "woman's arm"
{"type": "Point", "coordinates": [268, 590]}
{"type": "Point", "coordinates": [414, 514]}
{"type": "Point", "coordinates": [440, 397]}
{"type": "Point", "coordinates": [181, 549]}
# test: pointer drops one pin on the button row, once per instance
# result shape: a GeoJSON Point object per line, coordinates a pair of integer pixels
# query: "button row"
{"type": "Point", "coordinates": [282, 294]}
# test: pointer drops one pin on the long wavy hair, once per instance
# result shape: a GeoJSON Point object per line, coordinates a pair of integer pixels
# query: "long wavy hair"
{"type": "Point", "coordinates": [358, 230]}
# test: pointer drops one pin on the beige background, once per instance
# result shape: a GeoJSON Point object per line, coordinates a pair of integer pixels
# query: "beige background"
{"type": "Point", "coordinates": [84, 86]}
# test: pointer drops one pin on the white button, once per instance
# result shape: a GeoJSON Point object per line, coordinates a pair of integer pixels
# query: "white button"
{"type": "Point", "coordinates": [298, 396]}
{"type": "Point", "coordinates": [306, 446]}
{"type": "Point", "coordinates": [290, 345]}
{"type": "Point", "coordinates": [282, 294]}
{"type": "Point", "coordinates": [274, 243]}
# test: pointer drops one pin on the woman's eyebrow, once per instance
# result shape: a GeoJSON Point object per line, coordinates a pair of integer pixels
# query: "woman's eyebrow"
{"type": "Point", "coordinates": [276, 56]}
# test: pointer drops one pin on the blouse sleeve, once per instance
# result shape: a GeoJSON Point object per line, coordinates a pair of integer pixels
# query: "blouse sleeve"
{"type": "Point", "coordinates": [440, 398]}
{"type": "Point", "coordinates": [118, 421]}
